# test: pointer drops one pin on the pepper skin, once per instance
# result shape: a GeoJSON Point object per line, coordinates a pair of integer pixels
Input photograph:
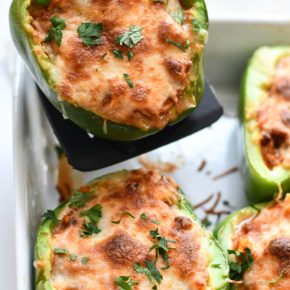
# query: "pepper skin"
{"type": "Point", "coordinates": [261, 183]}
{"type": "Point", "coordinates": [87, 120]}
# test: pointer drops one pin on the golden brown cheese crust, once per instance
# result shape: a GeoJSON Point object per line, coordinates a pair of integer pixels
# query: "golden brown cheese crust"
{"type": "Point", "coordinates": [268, 236]}
{"type": "Point", "coordinates": [113, 251]}
{"type": "Point", "coordinates": [159, 71]}
{"type": "Point", "coordinates": [274, 118]}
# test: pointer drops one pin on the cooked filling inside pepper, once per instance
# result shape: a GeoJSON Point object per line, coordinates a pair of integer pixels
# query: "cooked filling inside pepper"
{"type": "Point", "coordinates": [138, 221]}
{"type": "Point", "coordinates": [127, 61]}
{"type": "Point", "coordinates": [267, 235]}
{"type": "Point", "coordinates": [274, 118]}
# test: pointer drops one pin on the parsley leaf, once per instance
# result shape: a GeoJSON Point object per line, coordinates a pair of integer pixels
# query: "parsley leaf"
{"type": "Point", "coordinates": [130, 38]}
{"type": "Point", "coordinates": [93, 213]}
{"type": "Point", "coordinates": [144, 270]}
{"type": "Point", "coordinates": [178, 45]}
{"type": "Point", "coordinates": [123, 213]}
{"type": "Point", "coordinates": [237, 270]}
{"type": "Point", "coordinates": [90, 229]}
{"type": "Point", "coordinates": [196, 24]}
{"type": "Point", "coordinates": [50, 214]}
{"type": "Point", "coordinates": [143, 216]}
{"type": "Point", "coordinates": [72, 257]}
{"type": "Point", "coordinates": [155, 222]}
{"type": "Point", "coordinates": [90, 33]}
{"type": "Point", "coordinates": [84, 260]}
{"type": "Point", "coordinates": [55, 33]}
{"type": "Point", "coordinates": [79, 199]}
{"type": "Point", "coordinates": [130, 55]}
{"type": "Point", "coordinates": [129, 82]}
{"type": "Point", "coordinates": [280, 276]}
{"type": "Point", "coordinates": [125, 282]}
{"type": "Point", "coordinates": [103, 56]}
{"type": "Point", "coordinates": [117, 53]}
{"type": "Point", "coordinates": [154, 271]}
{"type": "Point", "coordinates": [60, 251]}
{"type": "Point", "coordinates": [178, 17]}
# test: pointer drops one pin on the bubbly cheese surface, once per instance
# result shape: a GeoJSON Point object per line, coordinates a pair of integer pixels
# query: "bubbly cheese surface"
{"type": "Point", "coordinates": [267, 235]}
{"type": "Point", "coordinates": [91, 77]}
{"type": "Point", "coordinates": [112, 252]}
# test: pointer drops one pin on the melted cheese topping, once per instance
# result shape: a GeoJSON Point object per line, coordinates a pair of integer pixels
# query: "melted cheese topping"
{"type": "Point", "coordinates": [274, 118]}
{"type": "Point", "coordinates": [268, 236]}
{"type": "Point", "coordinates": [160, 72]}
{"type": "Point", "coordinates": [113, 251]}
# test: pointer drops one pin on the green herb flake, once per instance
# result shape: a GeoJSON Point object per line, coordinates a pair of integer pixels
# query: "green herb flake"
{"type": "Point", "coordinates": [117, 53]}
{"type": "Point", "coordinates": [129, 82]}
{"type": "Point", "coordinates": [43, 2]}
{"type": "Point", "coordinates": [166, 5]}
{"type": "Point", "coordinates": [90, 33]}
{"type": "Point", "coordinates": [50, 214]}
{"type": "Point", "coordinates": [130, 38]}
{"type": "Point", "coordinates": [60, 251]}
{"type": "Point", "coordinates": [130, 55]}
{"type": "Point", "coordinates": [154, 287]}
{"type": "Point", "coordinates": [125, 282]}
{"type": "Point", "coordinates": [72, 257]}
{"type": "Point", "coordinates": [178, 17]}
{"type": "Point", "coordinates": [178, 45]}
{"type": "Point", "coordinates": [55, 33]}
{"type": "Point", "coordinates": [143, 216]}
{"type": "Point", "coordinates": [79, 199]}
{"type": "Point", "coordinates": [89, 229]}
{"type": "Point", "coordinates": [237, 270]}
{"type": "Point", "coordinates": [103, 56]}
{"type": "Point", "coordinates": [280, 276]}
{"type": "Point", "coordinates": [216, 266]}
{"type": "Point", "coordinates": [93, 213]}
{"type": "Point", "coordinates": [196, 24]}
{"type": "Point", "coordinates": [84, 260]}
{"type": "Point", "coordinates": [155, 222]}
{"type": "Point", "coordinates": [158, 1]}
{"type": "Point", "coordinates": [144, 270]}
{"type": "Point", "coordinates": [122, 214]}
{"type": "Point", "coordinates": [154, 271]}
{"type": "Point", "coordinates": [206, 222]}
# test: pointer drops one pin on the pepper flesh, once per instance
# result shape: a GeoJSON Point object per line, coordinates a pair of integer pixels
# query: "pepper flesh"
{"type": "Point", "coordinates": [87, 120]}
{"type": "Point", "coordinates": [261, 182]}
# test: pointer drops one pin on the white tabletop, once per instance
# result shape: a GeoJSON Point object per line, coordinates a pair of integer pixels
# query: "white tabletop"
{"type": "Point", "coordinates": [278, 9]}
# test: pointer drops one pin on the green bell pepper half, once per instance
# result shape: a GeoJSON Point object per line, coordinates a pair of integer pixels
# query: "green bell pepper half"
{"type": "Point", "coordinates": [261, 183]}
{"type": "Point", "coordinates": [218, 276]}
{"type": "Point", "coordinates": [40, 67]}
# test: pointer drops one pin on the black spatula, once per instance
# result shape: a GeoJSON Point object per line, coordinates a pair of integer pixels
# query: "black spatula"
{"type": "Point", "coordinates": [87, 153]}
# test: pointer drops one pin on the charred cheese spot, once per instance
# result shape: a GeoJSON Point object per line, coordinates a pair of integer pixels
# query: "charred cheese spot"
{"type": "Point", "coordinates": [158, 70]}
{"type": "Point", "coordinates": [273, 118]}
{"type": "Point", "coordinates": [268, 237]}
{"type": "Point", "coordinates": [113, 251]}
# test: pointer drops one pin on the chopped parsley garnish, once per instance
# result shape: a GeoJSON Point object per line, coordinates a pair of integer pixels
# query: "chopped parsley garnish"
{"type": "Point", "coordinates": [125, 282]}
{"type": "Point", "coordinates": [130, 55]}
{"type": "Point", "coordinates": [143, 216]}
{"type": "Point", "coordinates": [72, 257]}
{"type": "Point", "coordinates": [122, 214]}
{"type": "Point", "coordinates": [178, 17]}
{"type": "Point", "coordinates": [129, 82]}
{"type": "Point", "coordinates": [178, 45]}
{"type": "Point", "coordinates": [161, 247]}
{"type": "Point", "coordinates": [43, 2]}
{"type": "Point", "coordinates": [130, 38]}
{"type": "Point", "coordinates": [216, 266]}
{"type": "Point", "coordinates": [196, 24]}
{"type": "Point", "coordinates": [55, 33]}
{"type": "Point", "coordinates": [93, 213]}
{"type": "Point", "coordinates": [79, 199]}
{"type": "Point", "coordinates": [50, 214]}
{"type": "Point", "coordinates": [144, 270]}
{"type": "Point", "coordinates": [206, 222]}
{"type": "Point", "coordinates": [154, 271]}
{"type": "Point", "coordinates": [103, 56]}
{"type": "Point", "coordinates": [90, 33]}
{"type": "Point", "coordinates": [60, 251]}
{"type": "Point", "coordinates": [280, 276]}
{"type": "Point", "coordinates": [84, 260]}
{"type": "Point", "coordinates": [155, 222]}
{"type": "Point", "coordinates": [90, 229]}
{"type": "Point", "coordinates": [117, 53]}
{"type": "Point", "coordinates": [237, 270]}
{"type": "Point", "coordinates": [154, 287]}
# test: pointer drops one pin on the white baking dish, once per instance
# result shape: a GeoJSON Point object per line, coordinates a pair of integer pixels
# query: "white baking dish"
{"type": "Point", "coordinates": [230, 45]}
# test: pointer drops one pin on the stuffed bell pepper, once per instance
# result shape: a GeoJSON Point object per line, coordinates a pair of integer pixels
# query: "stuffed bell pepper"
{"type": "Point", "coordinates": [120, 70]}
{"type": "Point", "coordinates": [127, 230]}
{"type": "Point", "coordinates": [257, 239]}
{"type": "Point", "coordinates": [265, 116]}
